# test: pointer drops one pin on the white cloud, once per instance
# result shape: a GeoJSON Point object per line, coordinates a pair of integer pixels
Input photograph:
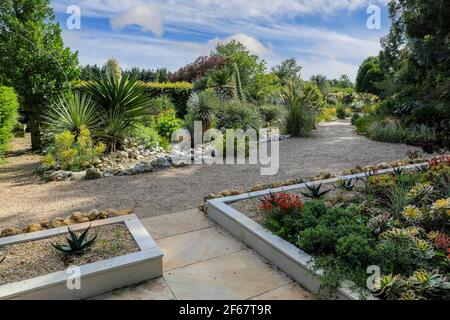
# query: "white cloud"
{"type": "Point", "coordinates": [147, 17]}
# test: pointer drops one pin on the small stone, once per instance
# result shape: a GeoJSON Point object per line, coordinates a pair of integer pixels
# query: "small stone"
{"type": "Point", "coordinates": [54, 224]}
{"type": "Point", "coordinates": [9, 232]}
{"type": "Point", "coordinates": [107, 174]}
{"type": "Point", "coordinates": [93, 173]}
{"type": "Point", "coordinates": [68, 222]}
{"type": "Point", "coordinates": [117, 213]}
{"type": "Point", "coordinates": [34, 227]}
{"type": "Point", "coordinates": [103, 215]}
{"type": "Point", "coordinates": [162, 162]}
{"type": "Point", "coordinates": [93, 215]}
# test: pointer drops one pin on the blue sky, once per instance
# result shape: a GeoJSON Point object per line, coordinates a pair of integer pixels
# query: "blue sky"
{"type": "Point", "coordinates": [327, 37]}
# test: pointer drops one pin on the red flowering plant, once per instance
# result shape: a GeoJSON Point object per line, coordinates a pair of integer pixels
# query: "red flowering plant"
{"type": "Point", "coordinates": [281, 210]}
{"type": "Point", "coordinates": [437, 160]}
{"type": "Point", "coordinates": [284, 203]}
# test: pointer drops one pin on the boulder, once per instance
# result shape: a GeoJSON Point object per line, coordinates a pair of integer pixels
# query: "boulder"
{"type": "Point", "coordinates": [142, 168]}
{"type": "Point", "coordinates": [92, 174]}
{"type": "Point", "coordinates": [77, 176]}
{"type": "Point", "coordinates": [93, 215]}
{"type": "Point", "coordinates": [79, 217]}
{"type": "Point", "coordinates": [9, 232]}
{"type": "Point", "coordinates": [162, 162]}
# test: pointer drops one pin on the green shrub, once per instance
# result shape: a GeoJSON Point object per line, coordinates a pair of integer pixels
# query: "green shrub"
{"type": "Point", "coordinates": [8, 116]}
{"type": "Point", "coordinates": [161, 103]}
{"type": "Point", "coordinates": [73, 153]}
{"type": "Point", "coordinates": [146, 136]}
{"type": "Point", "coordinates": [301, 116]}
{"type": "Point", "coordinates": [340, 112]}
{"type": "Point", "coordinates": [327, 114]}
{"type": "Point", "coordinates": [355, 118]}
{"type": "Point", "coordinates": [237, 115]}
{"type": "Point", "coordinates": [166, 123]}
{"type": "Point", "coordinates": [271, 113]}
{"type": "Point", "coordinates": [179, 92]}
{"type": "Point", "coordinates": [364, 124]}
{"type": "Point", "coordinates": [389, 133]}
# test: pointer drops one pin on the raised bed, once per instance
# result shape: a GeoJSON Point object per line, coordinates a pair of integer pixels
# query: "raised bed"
{"type": "Point", "coordinates": [95, 278]}
{"type": "Point", "coordinates": [289, 258]}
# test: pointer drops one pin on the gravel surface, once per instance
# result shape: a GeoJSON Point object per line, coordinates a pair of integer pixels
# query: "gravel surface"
{"type": "Point", "coordinates": [36, 258]}
{"type": "Point", "coordinates": [332, 148]}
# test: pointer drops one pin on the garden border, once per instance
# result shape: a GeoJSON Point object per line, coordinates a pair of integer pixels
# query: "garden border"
{"type": "Point", "coordinates": [286, 256]}
{"type": "Point", "coordinates": [96, 278]}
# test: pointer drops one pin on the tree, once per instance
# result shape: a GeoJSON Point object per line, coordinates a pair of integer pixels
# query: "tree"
{"type": "Point", "coordinates": [321, 82]}
{"type": "Point", "coordinates": [369, 76]}
{"type": "Point", "coordinates": [199, 68]}
{"type": "Point", "coordinates": [343, 82]}
{"type": "Point", "coordinates": [288, 69]}
{"type": "Point", "coordinates": [248, 64]}
{"type": "Point", "coordinates": [33, 58]}
{"type": "Point", "coordinates": [416, 60]}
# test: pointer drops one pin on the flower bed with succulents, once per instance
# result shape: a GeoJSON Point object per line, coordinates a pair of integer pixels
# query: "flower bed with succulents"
{"type": "Point", "coordinates": [78, 262]}
{"type": "Point", "coordinates": [31, 259]}
{"type": "Point", "coordinates": [397, 221]}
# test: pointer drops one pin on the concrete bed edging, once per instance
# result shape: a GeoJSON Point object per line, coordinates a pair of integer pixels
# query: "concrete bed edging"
{"type": "Point", "coordinates": [290, 259]}
{"type": "Point", "coordinates": [96, 278]}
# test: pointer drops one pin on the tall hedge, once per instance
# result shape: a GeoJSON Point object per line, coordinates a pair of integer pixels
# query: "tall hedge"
{"type": "Point", "coordinates": [8, 116]}
{"type": "Point", "coordinates": [178, 91]}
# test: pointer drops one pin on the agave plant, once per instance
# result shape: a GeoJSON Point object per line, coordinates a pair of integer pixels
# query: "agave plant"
{"type": "Point", "coordinates": [124, 102]}
{"type": "Point", "coordinates": [430, 284]}
{"type": "Point", "coordinates": [315, 192]}
{"type": "Point", "coordinates": [420, 193]}
{"type": "Point", "coordinates": [397, 172]}
{"type": "Point", "coordinates": [76, 244]}
{"type": "Point", "coordinates": [423, 249]}
{"type": "Point", "coordinates": [72, 112]}
{"type": "Point", "coordinates": [347, 185]}
{"type": "Point", "coordinates": [202, 107]}
{"type": "Point", "coordinates": [390, 287]}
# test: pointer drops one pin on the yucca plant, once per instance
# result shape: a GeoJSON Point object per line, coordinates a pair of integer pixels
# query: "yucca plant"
{"type": "Point", "coordinates": [124, 102]}
{"type": "Point", "coordinates": [202, 107]}
{"type": "Point", "coordinates": [72, 112]}
{"type": "Point", "coordinates": [315, 192]}
{"type": "Point", "coordinates": [76, 244]}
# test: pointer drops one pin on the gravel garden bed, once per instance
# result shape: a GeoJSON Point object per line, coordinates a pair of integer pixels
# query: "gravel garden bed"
{"type": "Point", "coordinates": [396, 222]}
{"type": "Point", "coordinates": [31, 259]}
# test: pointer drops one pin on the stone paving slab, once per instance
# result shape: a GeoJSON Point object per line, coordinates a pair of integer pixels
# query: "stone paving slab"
{"type": "Point", "coordinates": [156, 289]}
{"type": "Point", "coordinates": [290, 292]}
{"type": "Point", "coordinates": [239, 276]}
{"type": "Point", "coordinates": [196, 246]}
{"type": "Point", "coordinates": [177, 223]}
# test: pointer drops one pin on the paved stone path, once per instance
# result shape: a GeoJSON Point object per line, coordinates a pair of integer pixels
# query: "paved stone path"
{"type": "Point", "coordinates": [204, 262]}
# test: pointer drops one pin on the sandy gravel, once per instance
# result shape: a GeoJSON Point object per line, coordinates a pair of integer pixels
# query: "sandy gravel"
{"type": "Point", "coordinates": [332, 148]}
{"type": "Point", "coordinates": [35, 258]}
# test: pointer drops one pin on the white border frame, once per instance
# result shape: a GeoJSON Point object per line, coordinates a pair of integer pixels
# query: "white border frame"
{"type": "Point", "coordinates": [96, 278]}
{"type": "Point", "coordinates": [287, 257]}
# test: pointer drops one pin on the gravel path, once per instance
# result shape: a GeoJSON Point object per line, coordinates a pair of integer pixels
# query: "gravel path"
{"type": "Point", "coordinates": [332, 148]}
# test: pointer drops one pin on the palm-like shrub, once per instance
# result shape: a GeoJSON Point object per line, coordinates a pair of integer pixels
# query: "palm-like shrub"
{"type": "Point", "coordinates": [202, 107]}
{"type": "Point", "coordinates": [221, 78]}
{"type": "Point", "coordinates": [301, 117]}
{"type": "Point", "coordinates": [237, 115]}
{"type": "Point", "coordinates": [124, 102]}
{"type": "Point", "coordinates": [72, 112]}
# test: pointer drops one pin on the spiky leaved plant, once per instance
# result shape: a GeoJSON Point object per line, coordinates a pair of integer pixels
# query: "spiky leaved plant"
{"type": "Point", "coordinates": [124, 102]}
{"type": "Point", "coordinates": [315, 191]}
{"type": "Point", "coordinates": [430, 284]}
{"type": "Point", "coordinates": [72, 112]}
{"type": "Point", "coordinates": [397, 171]}
{"type": "Point", "coordinates": [347, 185]}
{"type": "Point", "coordinates": [421, 193]}
{"type": "Point", "coordinates": [390, 287]}
{"type": "Point", "coordinates": [202, 107]}
{"type": "Point", "coordinates": [76, 244]}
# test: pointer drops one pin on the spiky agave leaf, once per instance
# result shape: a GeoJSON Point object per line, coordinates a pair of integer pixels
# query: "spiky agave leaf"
{"type": "Point", "coordinates": [390, 287]}
{"type": "Point", "coordinates": [76, 244]}
{"type": "Point", "coordinates": [314, 191]}
{"type": "Point", "coordinates": [347, 185]}
{"type": "Point", "coordinates": [430, 284]}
